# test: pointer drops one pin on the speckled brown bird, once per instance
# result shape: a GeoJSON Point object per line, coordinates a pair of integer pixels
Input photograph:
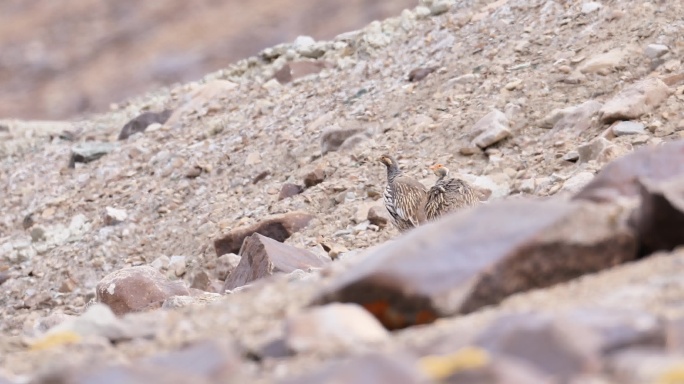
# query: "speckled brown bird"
{"type": "Point", "coordinates": [448, 194]}
{"type": "Point", "coordinates": [404, 197]}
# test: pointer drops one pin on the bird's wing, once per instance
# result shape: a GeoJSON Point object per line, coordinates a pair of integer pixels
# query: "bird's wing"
{"type": "Point", "coordinates": [410, 199]}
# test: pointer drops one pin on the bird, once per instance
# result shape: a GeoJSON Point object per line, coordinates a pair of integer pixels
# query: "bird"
{"type": "Point", "coordinates": [448, 194]}
{"type": "Point", "coordinates": [404, 197]}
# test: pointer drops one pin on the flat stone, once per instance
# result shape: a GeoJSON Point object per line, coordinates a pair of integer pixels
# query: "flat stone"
{"type": "Point", "coordinates": [288, 190]}
{"type": "Point", "coordinates": [333, 328]}
{"type": "Point", "coordinates": [462, 263]}
{"type": "Point", "coordinates": [590, 7]}
{"type": "Point", "coordinates": [554, 346]}
{"type": "Point", "coordinates": [277, 227]}
{"type": "Point", "coordinates": [620, 177]}
{"type": "Point", "coordinates": [89, 151]}
{"type": "Point", "coordinates": [491, 129]}
{"type": "Point", "coordinates": [142, 121]}
{"type": "Point", "coordinates": [372, 368]}
{"type": "Point", "coordinates": [575, 119]}
{"type": "Point", "coordinates": [634, 101]}
{"type": "Point", "coordinates": [262, 256]}
{"type": "Point", "coordinates": [137, 289]}
{"type": "Point", "coordinates": [575, 183]}
{"type": "Point", "coordinates": [624, 128]}
{"type": "Point", "coordinates": [604, 63]}
{"type": "Point", "coordinates": [419, 74]}
{"type": "Point", "coordinates": [659, 219]}
{"type": "Point", "coordinates": [654, 51]}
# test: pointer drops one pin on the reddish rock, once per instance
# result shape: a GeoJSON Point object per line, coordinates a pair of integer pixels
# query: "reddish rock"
{"type": "Point", "coordinates": [659, 219]}
{"type": "Point", "coordinates": [619, 178]}
{"type": "Point", "coordinates": [378, 216]}
{"type": "Point", "coordinates": [674, 335]}
{"type": "Point", "coordinates": [553, 346]}
{"type": "Point", "coordinates": [419, 74]}
{"type": "Point", "coordinates": [142, 121]}
{"type": "Point", "coordinates": [289, 190]}
{"type": "Point", "coordinates": [462, 263]}
{"type": "Point", "coordinates": [136, 289]}
{"type": "Point", "coordinates": [202, 281]}
{"type": "Point", "coordinates": [314, 177]}
{"type": "Point", "coordinates": [367, 369]}
{"type": "Point", "coordinates": [262, 256]}
{"type": "Point", "coordinates": [277, 227]}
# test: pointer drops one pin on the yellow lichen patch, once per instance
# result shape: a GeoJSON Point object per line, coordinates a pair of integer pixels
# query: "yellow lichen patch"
{"type": "Point", "coordinates": [441, 367]}
{"type": "Point", "coordinates": [674, 375]}
{"type": "Point", "coordinates": [55, 339]}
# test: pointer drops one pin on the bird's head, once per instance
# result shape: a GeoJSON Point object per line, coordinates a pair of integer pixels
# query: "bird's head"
{"type": "Point", "coordinates": [387, 160]}
{"type": "Point", "coordinates": [440, 170]}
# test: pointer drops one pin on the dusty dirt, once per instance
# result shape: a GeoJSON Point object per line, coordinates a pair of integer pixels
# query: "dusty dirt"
{"type": "Point", "coordinates": [521, 57]}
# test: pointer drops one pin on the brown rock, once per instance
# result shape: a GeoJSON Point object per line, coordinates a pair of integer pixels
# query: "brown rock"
{"type": "Point", "coordinates": [277, 227]}
{"type": "Point", "coordinates": [262, 256]}
{"type": "Point", "coordinates": [314, 177]}
{"type": "Point", "coordinates": [635, 101]}
{"type": "Point", "coordinates": [136, 289]}
{"type": "Point", "coordinates": [491, 129]}
{"type": "Point", "coordinates": [367, 369]}
{"type": "Point", "coordinates": [659, 219]}
{"type": "Point", "coordinates": [674, 335]}
{"type": "Point", "coordinates": [333, 328]}
{"type": "Point", "coordinates": [289, 190]}
{"type": "Point", "coordinates": [419, 74]}
{"type": "Point", "coordinates": [378, 216]}
{"type": "Point", "coordinates": [202, 281]}
{"type": "Point", "coordinates": [4, 276]}
{"type": "Point", "coordinates": [592, 150]}
{"type": "Point", "coordinates": [619, 178]}
{"type": "Point", "coordinates": [463, 263]}
{"type": "Point", "coordinates": [553, 346]}
{"type": "Point", "coordinates": [333, 138]}
{"type": "Point", "coordinates": [296, 69]}
{"type": "Point", "coordinates": [142, 121]}
{"type": "Point", "coordinates": [200, 98]}
{"type": "Point", "coordinates": [575, 119]}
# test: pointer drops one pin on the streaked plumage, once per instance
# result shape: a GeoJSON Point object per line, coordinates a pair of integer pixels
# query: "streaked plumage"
{"type": "Point", "coordinates": [404, 197]}
{"type": "Point", "coordinates": [448, 194]}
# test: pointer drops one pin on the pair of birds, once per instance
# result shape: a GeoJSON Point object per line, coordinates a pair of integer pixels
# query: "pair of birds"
{"type": "Point", "coordinates": [410, 204]}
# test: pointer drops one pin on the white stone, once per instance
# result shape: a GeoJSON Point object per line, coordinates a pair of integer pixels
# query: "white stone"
{"type": "Point", "coordinates": [624, 128]}
{"type": "Point", "coordinates": [177, 264]}
{"type": "Point", "coordinates": [590, 7]}
{"type": "Point", "coordinates": [114, 216]}
{"type": "Point", "coordinates": [493, 128]}
{"type": "Point", "coordinates": [654, 51]}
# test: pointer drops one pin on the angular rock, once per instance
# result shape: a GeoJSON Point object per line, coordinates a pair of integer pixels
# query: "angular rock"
{"type": "Point", "coordinates": [89, 151]}
{"type": "Point", "coordinates": [262, 256]}
{"type": "Point", "coordinates": [462, 263]}
{"type": "Point", "coordinates": [333, 138]}
{"type": "Point", "coordinates": [307, 47]}
{"type": "Point", "coordinates": [396, 368]}
{"type": "Point", "coordinates": [297, 69]}
{"type": "Point", "coordinates": [654, 51]}
{"type": "Point", "coordinates": [592, 150]}
{"type": "Point", "coordinates": [635, 101]}
{"type": "Point", "coordinates": [619, 178]}
{"type": "Point", "coordinates": [491, 129]}
{"type": "Point", "coordinates": [225, 264]}
{"type": "Point", "coordinates": [136, 289]}
{"type": "Point", "coordinates": [114, 216]}
{"type": "Point", "coordinates": [577, 181]}
{"type": "Point", "coordinates": [277, 227]}
{"type": "Point", "coordinates": [314, 177]}
{"type": "Point", "coordinates": [659, 219]}
{"type": "Point", "coordinates": [604, 63]}
{"type": "Point", "coordinates": [576, 119]}
{"type": "Point", "coordinates": [333, 328]}
{"type": "Point", "coordinates": [624, 128]}
{"type": "Point", "coordinates": [378, 216]}
{"type": "Point", "coordinates": [202, 281]}
{"type": "Point", "coordinates": [552, 345]}
{"type": "Point", "coordinates": [142, 121]}
{"type": "Point", "coordinates": [419, 74]}
{"type": "Point", "coordinates": [288, 190]}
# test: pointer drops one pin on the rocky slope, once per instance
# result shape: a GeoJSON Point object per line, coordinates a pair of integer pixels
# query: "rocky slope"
{"type": "Point", "coordinates": [79, 56]}
{"type": "Point", "coordinates": [530, 99]}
